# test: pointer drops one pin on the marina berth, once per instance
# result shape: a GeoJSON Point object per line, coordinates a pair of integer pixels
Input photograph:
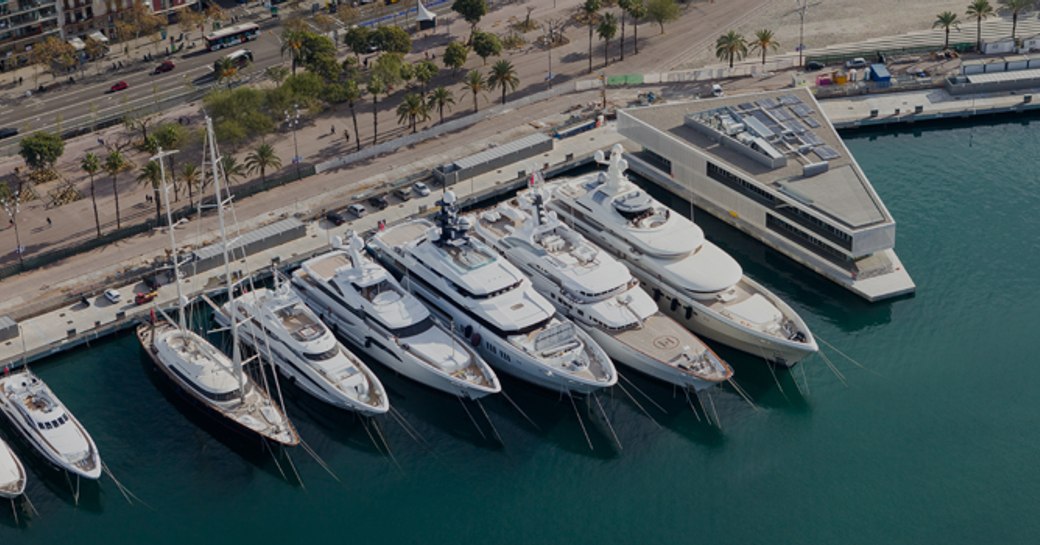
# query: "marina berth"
{"type": "Point", "coordinates": [691, 279]}
{"type": "Point", "coordinates": [277, 325]}
{"type": "Point", "coordinates": [366, 306]}
{"type": "Point", "coordinates": [491, 303]}
{"type": "Point", "coordinates": [47, 425]}
{"type": "Point", "coordinates": [597, 292]}
{"type": "Point", "coordinates": [12, 473]}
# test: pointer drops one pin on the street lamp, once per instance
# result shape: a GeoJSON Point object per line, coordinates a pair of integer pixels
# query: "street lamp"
{"type": "Point", "coordinates": [802, 7]}
{"type": "Point", "coordinates": [293, 121]}
{"type": "Point", "coordinates": [12, 209]}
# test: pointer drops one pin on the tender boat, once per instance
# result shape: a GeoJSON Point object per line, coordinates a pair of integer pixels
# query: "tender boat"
{"type": "Point", "coordinates": [691, 279]}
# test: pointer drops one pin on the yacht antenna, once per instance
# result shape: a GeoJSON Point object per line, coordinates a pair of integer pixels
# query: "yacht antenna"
{"type": "Point", "coordinates": [158, 157]}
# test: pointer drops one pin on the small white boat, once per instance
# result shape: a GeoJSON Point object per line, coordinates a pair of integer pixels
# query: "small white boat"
{"type": "Point", "coordinates": [12, 473]}
{"type": "Point", "coordinates": [45, 422]}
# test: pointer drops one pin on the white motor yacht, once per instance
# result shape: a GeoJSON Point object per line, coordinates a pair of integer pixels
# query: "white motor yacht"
{"type": "Point", "coordinates": [365, 305]}
{"type": "Point", "coordinates": [597, 292]}
{"type": "Point", "coordinates": [691, 279]}
{"type": "Point", "coordinates": [12, 473]}
{"type": "Point", "coordinates": [47, 425]}
{"type": "Point", "coordinates": [491, 303]}
{"type": "Point", "coordinates": [277, 324]}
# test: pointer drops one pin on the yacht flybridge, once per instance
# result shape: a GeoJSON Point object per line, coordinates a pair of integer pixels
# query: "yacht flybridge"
{"type": "Point", "coordinates": [692, 280]}
{"type": "Point", "coordinates": [592, 288]}
{"type": "Point", "coordinates": [491, 303]}
{"type": "Point", "coordinates": [12, 473]}
{"type": "Point", "coordinates": [219, 385]}
{"type": "Point", "coordinates": [277, 325]}
{"type": "Point", "coordinates": [365, 305]}
{"type": "Point", "coordinates": [48, 426]}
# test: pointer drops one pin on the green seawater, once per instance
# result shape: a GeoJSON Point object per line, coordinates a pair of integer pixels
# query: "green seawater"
{"type": "Point", "coordinates": [934, 441]}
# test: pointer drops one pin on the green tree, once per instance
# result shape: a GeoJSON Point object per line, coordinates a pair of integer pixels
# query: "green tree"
{"type": "Point", "coordinates": [636, 10]}
{"type": "Point", "coordinates": [191, 178]}
{"type": "Point", "coordinates": [233, 170]}
{"type": "Point", "coordinates": [411, 110]}
{"type": "Point", "coordinates": [439, 98]}
{"type": "Point", "coordinates": [503, 76]}
{"type": "Point", "coordinates": [606, 30]}
{"type": "Point", "coordinates": [392, 39]}
{"type": "Point", "coordinates": [352, 94]}
{"type": "Point", "coordinates": [115, 163]}
{"type": "Point", "coordinates": [92, 165]}
{"type": "Point", "coordinates": [318, 55]}
{"type": "Point", "coordinates": [662, 11]}
{"type": "Point", "coordinates": [588, 13]}
{"type": "Point", "coordinates": [945, 20]}
{"type": "Point", "coordinates": [41, 150]}
{"type": "Point", "coordinates": [486, 44]}
{"type": "Point", "coordinates": [455, 56]}
{"type": "Point", "coordinates": [471, 11]}
{"type": "Point", "coordinates": [376, 87]}
{"type": "Point", "coordinates": [979, 10]}
{"type": "Point", "coordinates": [95, 50]}
{"type": "Point", "coordinates": [388, 68]}
{"type": "Point", "coordinates": [151, 174]}
{"type": "Point", "coordinates": [292, 42]}
{"type": "Point", "coordinates": [731, 46]}
{"type": "Point", "coordinates": [476, 83]}
{"type": "Point", "coordinates": [1016, 7]}
{"type": "Point", "coordinates": [424, 72]}
{"type": "Point", "coordinates": [225, 70]}
{"type": "Point", "coordinates": [358, 40]}
{"type": "Point", "coordinates": [261, 159]}
{"type": "Point", "coordinates": [169, 137]}
{"type": "Point", "coordinates": [764, 41]}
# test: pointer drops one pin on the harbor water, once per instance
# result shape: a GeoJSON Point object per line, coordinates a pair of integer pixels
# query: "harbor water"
{"type": "Point", "coordinates": [931, 438]}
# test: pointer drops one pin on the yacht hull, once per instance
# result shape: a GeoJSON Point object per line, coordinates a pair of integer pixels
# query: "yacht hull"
{"type": "Point", "coordinates": [12, 473]}
{"type": "Point", "coordinates": [631, 357]}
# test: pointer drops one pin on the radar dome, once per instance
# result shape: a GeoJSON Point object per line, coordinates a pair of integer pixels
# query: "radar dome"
{"type": "Point", "coordinates": [449, 197]}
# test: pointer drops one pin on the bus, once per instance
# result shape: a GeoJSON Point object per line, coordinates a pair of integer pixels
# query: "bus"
{"type": "Point", "coordinates": [239, 59]}
{"type": "Point", "coordinates": [232, 35]}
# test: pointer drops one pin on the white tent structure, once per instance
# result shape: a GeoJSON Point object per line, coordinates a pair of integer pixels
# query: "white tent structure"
{"type": "Point", "coordinates": [426, 18]}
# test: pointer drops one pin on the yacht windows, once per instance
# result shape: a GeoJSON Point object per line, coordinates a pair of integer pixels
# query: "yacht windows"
{"type": "Point", "coordinates": [413, 329]}
{"type": "Point", "coordinates": [322, 356]}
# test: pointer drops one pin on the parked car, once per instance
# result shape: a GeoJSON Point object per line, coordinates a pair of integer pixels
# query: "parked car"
{"type": "Point", "coordinates": [422, 189]}
{"type": "Point", "coordinates": [112, 295]}
{"type": "Point", "coordinates": [118, 86]}
{"type": "Point", "coordinates": [858, 62]}
{"type": "Point", "coordinates": [145, 297]}
{"type": "Point", "coordinates": [403, 193]}
{"type": "Point", "coordinates": [8, 132]}
{"type": "Point", "coordinates": [378, 202]}
{"type": "Point", "coordinates": [716, 90]}
{"type": "Point", "coordinates": [357, 209]}
{"type": "Point", "coordinates": [813, 66]}
{"type": "Point", "coordinates": [336, 218]}
{"type": "Point", "coordinates": [166, 66]}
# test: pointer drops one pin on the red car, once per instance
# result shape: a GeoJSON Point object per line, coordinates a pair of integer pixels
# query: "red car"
{"type": "Point", "coordinates": [166, 66]}
{"type": "Point", "coordinates": [144, 297]}
{"type": "Point", "coordinates": [119, 86]}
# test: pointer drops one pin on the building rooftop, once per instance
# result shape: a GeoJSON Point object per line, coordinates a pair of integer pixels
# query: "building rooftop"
{"type": "Point", "coordinates": [781, 140]}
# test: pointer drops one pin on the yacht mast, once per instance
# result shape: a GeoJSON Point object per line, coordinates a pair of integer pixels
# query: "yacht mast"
{"type": "Point", "coordinates": [218, 172]}
{"type": "Point", "coordinates": [159, 156]}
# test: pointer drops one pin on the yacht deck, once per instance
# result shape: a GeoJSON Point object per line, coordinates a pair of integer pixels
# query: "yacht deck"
{"type": "Point", "coordinates": [326, 265]}
{"type": "Point", "coordinates": [663, 339]}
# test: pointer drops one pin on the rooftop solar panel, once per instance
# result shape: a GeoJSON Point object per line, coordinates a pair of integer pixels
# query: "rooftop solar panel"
{"type": "Point", "coordinates": [826, 153]}
{"type": "Point", "coordinates": [802, 110]}
{"type": "Point", "coordinates": [810, 138]}
{"type": "Point", "coordinates": [790, 100]}
{"type": "Point", "coordinates": [796, 126]}
{"type": "Point", "coordinates": [812, 123]}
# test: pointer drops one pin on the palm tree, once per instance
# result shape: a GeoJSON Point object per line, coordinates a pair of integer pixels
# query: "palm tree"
{"type": "Point", "coordinates": [261, 159]}
{"type": "Point", "coordinates": [730, 46]}
{"type": "Point", "coordinates": [233, 170]}
{"type": "Point", "coordinates": [636, 10]}
{"type": "Point", "coordinates": [503, 76]}
{"type": "Point", "coordinates": [1015, 7]}
{"type": "Point", "coordinates": [292, 41]}
{"type": "Point", "coordinates": [606, 30]}
{"type": "Point", "coordinates": [424, 72]}
{"type": "Point", "coordinates": [91, 165]}
{"type": "Point", "coordinates": [439, 98]}
{"type": "Point", "coordinates": [588, 12]}
{"type": "Point", "coordinates": [945, 20]}
{"type": "Point", "coordinates": [151, 174]}
{"type": "Point", "coordinates": [412, 110]}
{"type": "Point", "coordinates": [375, 88]}
{"type": "Point", "coordinates": [114, 164]}
{"type": "Point", "coordinates": [225, 69]}
{"type": "Point", "coordinates": [476, 83]}
{"type": "Point", "coordinates": [764, 40]}
{"type": "Point", "coordinates": [979, 10]}
{"type": "Point", "coordinates": [190, 176]}
{"type": "Point", "coordinates": [624, 5]}
{"type": "Point", "coordinates": [169, 137]}
{"type": "Point", "coordinates": [352, 94]}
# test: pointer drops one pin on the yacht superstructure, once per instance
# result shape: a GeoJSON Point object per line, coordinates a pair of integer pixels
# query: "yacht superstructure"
{"type": "Point", "coordinates": [692, 280]}
{"type": "Point", "coordinates": [597, 292]}
{"type": "Point", "coordinates": [491, 303]}
{"type": "Point", "coordinates": [366, 305]}
{"type": "Point", "coordinates": [48, 425]}
{"type": "Point", "coordinates": [277, 324]}
{"type": "Point", "coordinates": [12, 473]}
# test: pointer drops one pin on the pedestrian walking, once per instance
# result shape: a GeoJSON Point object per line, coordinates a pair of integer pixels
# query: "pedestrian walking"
{"type": "Point", "coordinates": [332, 129]}
{"type": "Point", "coordinates": [49, 222]}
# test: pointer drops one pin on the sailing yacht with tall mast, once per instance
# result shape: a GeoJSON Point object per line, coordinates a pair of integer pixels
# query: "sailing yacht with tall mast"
{"type": "Point", "coordinates": [367, 307]}
{"type": "Point", "coordinates": [12, 473]}
{"type": "Point", "coordinates": [216, 383]}
{"type": "Point", "coordinates": [48, 425]}
{"type": "Point", "coordinates": [692, 280]}
{"type": "Point", "coordinates": [491, 303]}
{"type": "Point", "coordinates": [598, 292]}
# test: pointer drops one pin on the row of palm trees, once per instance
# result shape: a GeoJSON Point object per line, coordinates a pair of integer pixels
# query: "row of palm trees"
{"type": "Point", "coordinates": [417, 107]}
{"type": "Point", "coordinates": [259, 161]}
{"type": "Point", "coordinates": [980, 10]}
{"type": "Point", "coordinates": [732, 46]}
